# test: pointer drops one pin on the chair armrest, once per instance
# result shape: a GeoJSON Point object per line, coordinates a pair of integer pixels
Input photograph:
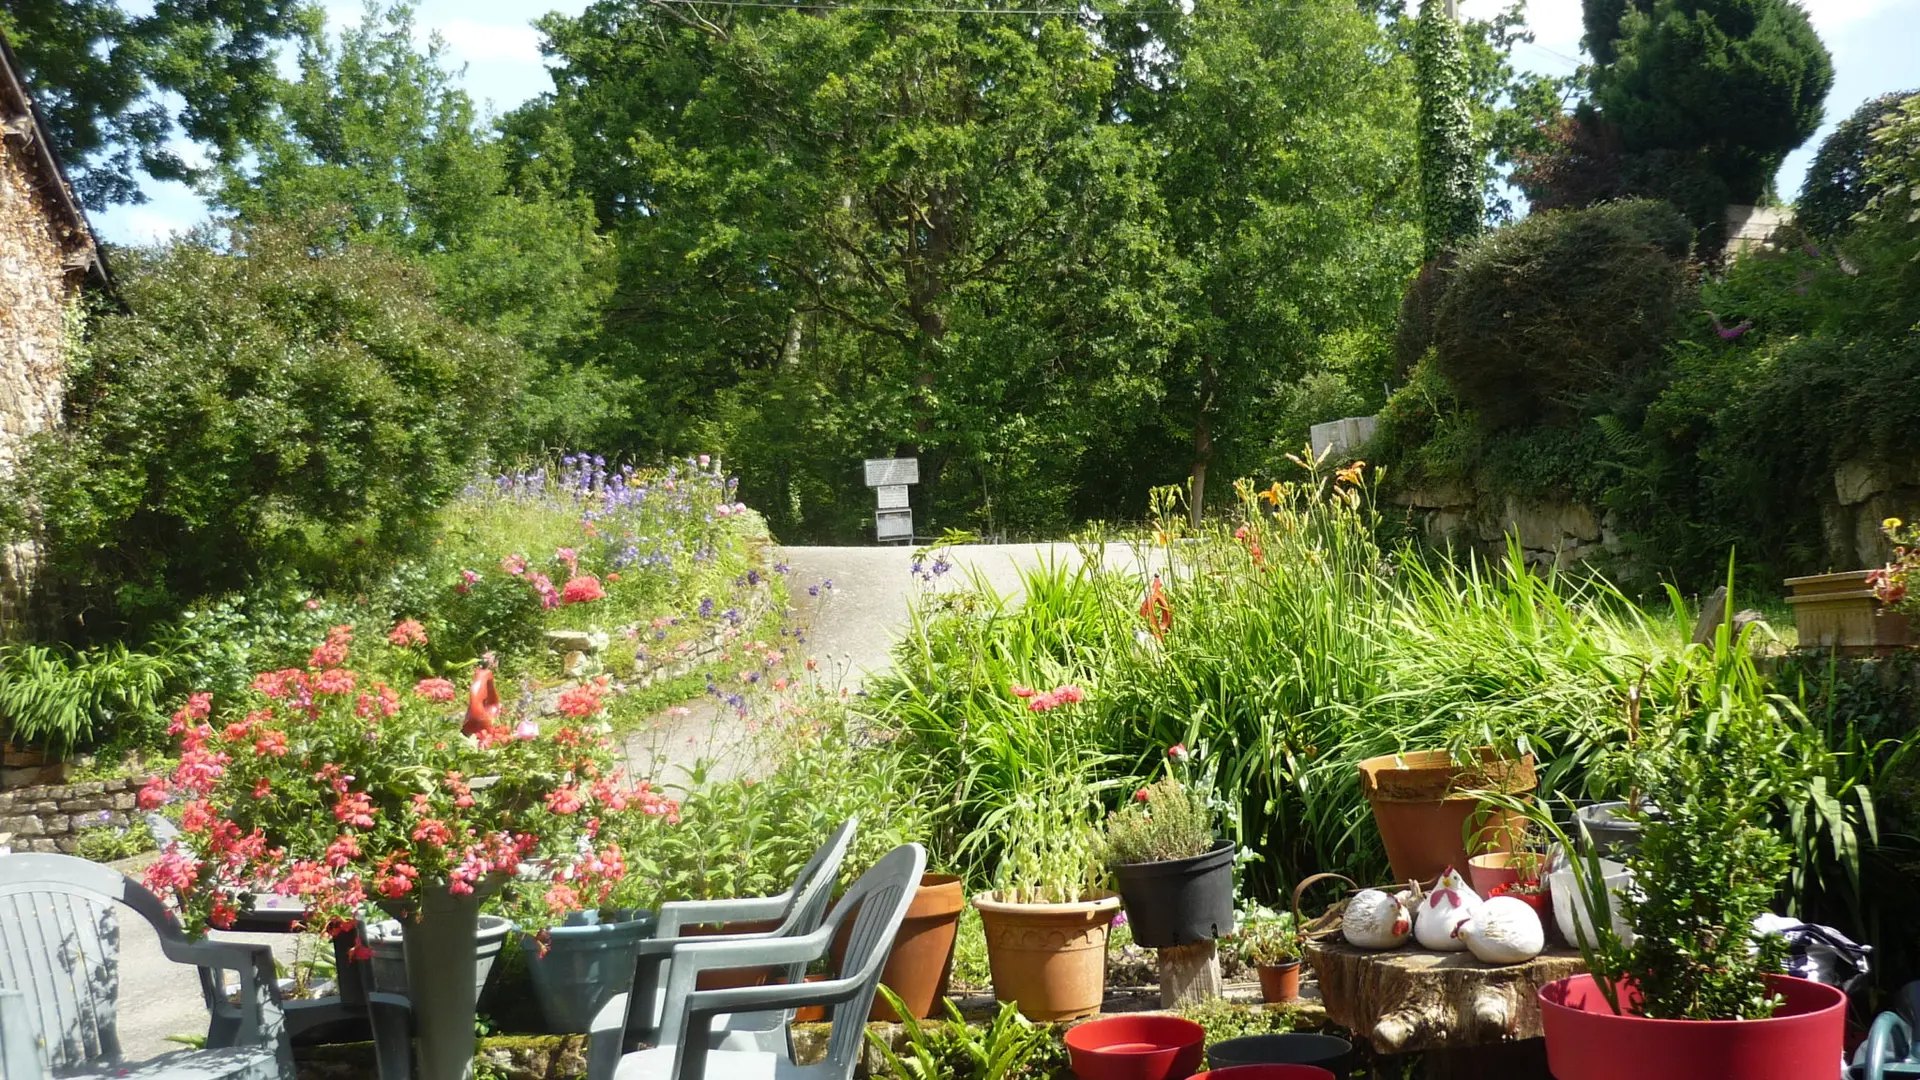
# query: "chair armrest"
{"type": "Point", "coordinates": [694, 957]}
{"type": "Point", "coordinates": [681, 913]}
{"type": "Point", "coordinates": [261, 1021]}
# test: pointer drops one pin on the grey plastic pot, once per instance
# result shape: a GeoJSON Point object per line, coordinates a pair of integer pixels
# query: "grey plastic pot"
{"type": "Point", "coordinates": [387, 939]}
{"type": "Point", "coordinates": [575, 973]}
{"type": "Point", "coordinates": [1605, 829]}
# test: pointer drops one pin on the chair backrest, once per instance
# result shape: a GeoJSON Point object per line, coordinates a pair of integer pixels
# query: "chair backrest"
{"type": "Point", "coordinates": [877, 904]}
{"type": "Point", "coordinates": [20, 1056]}
{"type": "Point", "coordinates": [813, 888]}
{"type": "Point", "coordinates": [60, 946]}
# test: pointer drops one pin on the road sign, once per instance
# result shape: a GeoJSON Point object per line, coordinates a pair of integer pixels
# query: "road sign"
{"type": "Point", "coordinates": [892, 497]}
{"type": "Point", "coordinates": [893, 524]}
{"type": "Point", "coordinates": [892, 472]}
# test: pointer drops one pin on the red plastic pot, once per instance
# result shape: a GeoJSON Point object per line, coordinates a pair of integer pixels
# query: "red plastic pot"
{"type": "Point", "coordinates": [1136, 1047]}
{"type": "Point", "coordinates": [1587, 1041]}
{"type": "Point", "coordinates": [1268, 1072]}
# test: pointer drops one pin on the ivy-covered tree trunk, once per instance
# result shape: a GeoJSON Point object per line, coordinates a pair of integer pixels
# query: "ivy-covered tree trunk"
{"type": "Point", "coordinates": [1450, 206]}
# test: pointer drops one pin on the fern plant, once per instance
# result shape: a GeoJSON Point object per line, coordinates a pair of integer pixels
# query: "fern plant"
{"type": "Point", "coordinates": [62, 698]}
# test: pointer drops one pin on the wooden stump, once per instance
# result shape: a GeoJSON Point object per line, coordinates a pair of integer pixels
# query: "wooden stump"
{"type": "Point", "coordinates": [1408, 999]}
{"type": "Point", "coordinates": [1189, 973]}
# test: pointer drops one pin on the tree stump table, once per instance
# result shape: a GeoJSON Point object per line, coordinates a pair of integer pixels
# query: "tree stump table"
{"type": "Point", "coordinates": [1470, 1019]}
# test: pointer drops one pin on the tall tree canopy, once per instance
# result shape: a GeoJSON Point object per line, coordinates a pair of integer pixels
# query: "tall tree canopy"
{"type": "Point", "coordinates": [101, 71]}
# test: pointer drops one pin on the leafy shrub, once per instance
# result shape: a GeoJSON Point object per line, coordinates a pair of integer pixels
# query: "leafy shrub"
{"type": "Point", "coordinates": [64, 698]}
{"type": "Point", "coordinates": [1010, 1047]}
{"type": "Point", "coordinates": [1562, 313]}
{"type": "Point", "coordinates": [1225, 1019]}
{"type": "Point", "coordinates": [264, 401]}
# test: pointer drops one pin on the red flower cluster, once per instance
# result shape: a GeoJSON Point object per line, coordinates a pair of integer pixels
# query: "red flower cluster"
{"type": "Point", "coordinates": [582, 589]}
{"type": "Point", "coordinates": [1038, 701]}
{"type": "Point", "coordinates": [407, 633]}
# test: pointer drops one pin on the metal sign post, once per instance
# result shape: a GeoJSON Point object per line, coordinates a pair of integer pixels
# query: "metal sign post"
{"type": "Point", "coordinates": [893, 512]}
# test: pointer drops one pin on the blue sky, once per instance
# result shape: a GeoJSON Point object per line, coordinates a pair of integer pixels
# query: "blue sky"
{"type": "Point", "coordinates": [1875, 46]}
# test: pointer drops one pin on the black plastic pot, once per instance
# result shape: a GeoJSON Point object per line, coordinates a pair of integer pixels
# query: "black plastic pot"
{"type": "Point", "coordinates": [1334, 1055]}
{"type": "Point", "coordinates": [1179, 901]}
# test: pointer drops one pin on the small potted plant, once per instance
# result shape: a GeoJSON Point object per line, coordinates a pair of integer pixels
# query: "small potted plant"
{"type": "Point", "coordinates": [1270, 944]}
{"type": "Point", "coordinates": [1174, 876]}
{"type": "Point", "coordinates": [1422, 804]}
{"type": "Point", "coordinates": [1047, 916]}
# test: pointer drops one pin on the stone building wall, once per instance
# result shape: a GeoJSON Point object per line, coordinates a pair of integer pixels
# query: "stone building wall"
{"type": "Point", "coordinates": [36, 287]}
{"type": "Point", "coordinates": [51, 818]}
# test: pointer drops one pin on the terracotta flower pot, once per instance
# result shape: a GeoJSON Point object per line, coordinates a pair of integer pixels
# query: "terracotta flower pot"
{"type": "Point", "coordinates": [812, 1014]}
{"type": "Point", "coordinates": [1050, 958]}
{"type": "Point", "coordinates": [922, 959]}
{"type": "Point", "coordinates": [1422, 818]}
{"type": "Point", "coordinates": [1280, 982]}
{"type": "Point", "coordinates": [1484, 872]}
{"type": "Point", "coordinates": [1587, 1041]}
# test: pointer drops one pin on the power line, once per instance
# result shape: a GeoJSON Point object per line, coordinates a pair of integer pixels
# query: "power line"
{"type": "Point", "coordinates": [1574, 60]}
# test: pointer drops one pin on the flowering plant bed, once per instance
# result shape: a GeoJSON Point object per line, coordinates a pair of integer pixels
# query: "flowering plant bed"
{"type": "Point", "coordinates": [347, 781]}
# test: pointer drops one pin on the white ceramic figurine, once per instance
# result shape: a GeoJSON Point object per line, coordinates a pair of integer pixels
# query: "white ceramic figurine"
{"type": "Point", "coordinates": [1504, 930]}
{"type": "Point", "coordinates": [1448, 904]}
{"type": "Point", "coordinates": [1375, 920]}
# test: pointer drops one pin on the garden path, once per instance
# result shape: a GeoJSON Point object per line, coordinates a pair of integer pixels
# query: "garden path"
{"type": "Point", "coordinates": [851, 628]}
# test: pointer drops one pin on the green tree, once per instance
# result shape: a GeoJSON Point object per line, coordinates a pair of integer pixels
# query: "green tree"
{"type": "Point", "coordinates": [1287, 171]}
{"type": "Point", "coordinates": [1736, 83]}
{"type": "Point", "coordinates": [864, 232]}
{"type": "Point", "coordinates": [265, 400]}
{"type": "Point", "coordinates": [1837, 187]}
{"type": "Point", "coordinates": [103, 72]}
{"type": "Point", "coordinates": [375, 134]}
{"type": "Point", "coordinates": [1450, 165]}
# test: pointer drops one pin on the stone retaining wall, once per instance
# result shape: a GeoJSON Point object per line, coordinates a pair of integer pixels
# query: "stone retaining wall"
{"type": "Point", "coordinates": [1560, 534]}
{"type": "Point", "coordinates": [51, 818]}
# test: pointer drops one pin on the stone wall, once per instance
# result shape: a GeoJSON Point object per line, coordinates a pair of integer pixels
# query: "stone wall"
{"type": "Point", "coordinates": [1552, 533]}
{"type": "Point", "coordinates": [36, 287]}
{"type": "Point", "coordinates": [1865, 493]}
{"type": "Point", "coordinates": [52, 818]}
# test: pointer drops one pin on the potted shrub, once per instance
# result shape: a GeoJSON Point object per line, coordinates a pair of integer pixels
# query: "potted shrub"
{"type": "Point", "coordinates": [1174, 877]}
{"type": "Point", "coordinates": [1692, 991]}
{"type": "Point", "coordinates": [1047, 917]}
{"type": "Point", "coordinates": [1270, 944]}
{"type": "Point", "coordinates": [348, 782]}
{"type": "Point", "coordinates": [1423, 801]}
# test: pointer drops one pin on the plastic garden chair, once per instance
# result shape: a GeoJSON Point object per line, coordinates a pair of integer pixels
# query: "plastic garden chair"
{"type": "Point", "coordinates": [59, 949]}
{"type": "Point", "coordinates": [876, 904]}
{"type": "Point", "coordinates": [799, 911]}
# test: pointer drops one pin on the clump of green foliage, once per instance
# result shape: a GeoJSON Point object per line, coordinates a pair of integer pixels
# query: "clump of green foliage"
{"type": "Point", "coordinates": [1225, 1020]}
{"type": "Point", "coordinates": [1837, 187]}
{"type": "Point", "coordinates": [1266, 938]}
{"type": "Point", "coordinates": [111, 843]}
{"type": "Point", "coordinates": [64, 698]}
{"type": "Point", "coordinates": [1562, 314]}
{"type": "Point", "coordinates": [1165, 820]}
{"type": "Point", "coordinates": [1010, 1047]}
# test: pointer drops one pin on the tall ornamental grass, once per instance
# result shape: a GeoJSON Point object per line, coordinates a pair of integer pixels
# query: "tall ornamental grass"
{"type": "Point", "coordinates": [1295, 648]}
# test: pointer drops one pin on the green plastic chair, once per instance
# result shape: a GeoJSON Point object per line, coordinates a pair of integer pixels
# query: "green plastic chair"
{"type": "Point", "coordinates": [60, 967]}
{"type": "Point", "coordinates": [876, 905]}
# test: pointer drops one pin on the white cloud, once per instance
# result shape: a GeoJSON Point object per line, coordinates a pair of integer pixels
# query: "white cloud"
{"type": "Point", "coordinates": [1830, 17]}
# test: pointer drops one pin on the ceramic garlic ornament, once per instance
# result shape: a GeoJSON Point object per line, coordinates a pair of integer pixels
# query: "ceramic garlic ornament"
{"type": "Point", "coordinates": [1503, 930]}
{"type": "Point", "coordinates": [1375, 920]}
{"type": "Point", "coordinates": [1448, 904]}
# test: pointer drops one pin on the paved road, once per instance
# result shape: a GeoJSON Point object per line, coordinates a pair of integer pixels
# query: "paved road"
{"type": "Point", "coordinates": [853, 625]}
{"type": "Point", "coordinates": [854, 603]}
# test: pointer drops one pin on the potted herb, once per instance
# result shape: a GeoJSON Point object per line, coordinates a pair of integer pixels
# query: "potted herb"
{"type": "Point", "coordinates": [1270, 944]}
{"type": "Point", "coordinates": [1047, 917]}
{"type": "Point", "coordinates": [1174, 877]}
